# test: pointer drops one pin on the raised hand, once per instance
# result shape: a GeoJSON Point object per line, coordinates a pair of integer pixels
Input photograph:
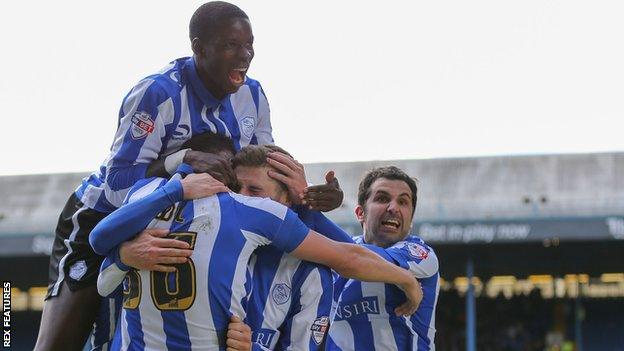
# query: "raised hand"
{"type": "Point", "coordinates": [324, 197]}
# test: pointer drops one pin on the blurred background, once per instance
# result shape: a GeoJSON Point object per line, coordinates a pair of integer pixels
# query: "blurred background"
{"type": "Point", "coordinates": [531, 248]}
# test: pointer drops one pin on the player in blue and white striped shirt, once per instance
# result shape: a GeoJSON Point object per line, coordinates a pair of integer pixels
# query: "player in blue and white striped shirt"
{"type": "Point", "coordinates": [291, 299]}
{"type": "Point", "coordinates": [206, 92]}
{"type": "Point", "coordinates": [191, 308]}
{"type": "Point", "coordinates": [364, 318]}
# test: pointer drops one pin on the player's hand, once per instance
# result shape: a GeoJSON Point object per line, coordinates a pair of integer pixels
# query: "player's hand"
{"type": "Point", "coordinates": [218, 166]}
{"type": "Point", "coordinates": [238, 335]}
{"type": "Point", "coordinates": [324, 197]}
{"type": "Point", "coordinates": [290, 173]}
{"type": "Point", "coordinates": [151, 251]}
{"type": "Point", "coordinates": [198, 185]}
{"type": "Point", "coordinates": [413, 292]}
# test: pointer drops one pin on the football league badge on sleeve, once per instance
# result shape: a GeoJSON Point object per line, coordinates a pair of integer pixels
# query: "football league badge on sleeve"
{"type": "Point", "coordinates": [142, 124]}
{"type": "Point", "coordinates": [417, 251]}
{"type": "Point", "coordinates": [319, 327]}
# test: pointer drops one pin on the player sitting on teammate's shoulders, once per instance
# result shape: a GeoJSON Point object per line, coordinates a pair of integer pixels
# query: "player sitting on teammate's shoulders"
{"type": "Point", "coordinates": [223, 232]}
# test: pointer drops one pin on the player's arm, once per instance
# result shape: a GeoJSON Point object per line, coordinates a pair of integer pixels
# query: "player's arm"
{"type": "Point", "coordinates": [325, 226]}
{"type": "Point", "coordinates": [111, 275]}
{"type": "Point", "coordinates": [138, 139]}
{"type": "Point", "coordinates": [356, 262]}
{"type": "Point", "coordinates": [201, 162]}
{"type": "Point", "coordinates": [283, 229]}
{"type": "Point", "coordinates": [263, 131]}
{"type": "Point", "coordinates": [125, 222]}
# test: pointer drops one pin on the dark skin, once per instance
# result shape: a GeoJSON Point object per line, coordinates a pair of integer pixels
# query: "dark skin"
{"type": "Point", "coordinates": [324, 197]}
{"type": "Point", "coordinates": [220, 59]}
{"type": "Point", "coordinates": [229, 48]}
{"type": "Point", "coordinates": [217, 165]}
{"type": "Point", "coordinates": [68, 331]}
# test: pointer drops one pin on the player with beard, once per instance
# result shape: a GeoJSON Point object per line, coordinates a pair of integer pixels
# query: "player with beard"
{"type": "Point", "coordinates": [363, 319]}
{"type": "Point", "coordinates": [175, 311]}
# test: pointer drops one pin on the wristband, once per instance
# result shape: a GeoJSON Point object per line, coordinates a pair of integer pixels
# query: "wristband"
{"type": "Point", "coordinates": [174, 160]}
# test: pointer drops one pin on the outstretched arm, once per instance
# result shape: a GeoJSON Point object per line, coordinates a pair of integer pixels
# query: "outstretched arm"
{"type": "Point", "coordinates": [125, 222]}
{"type": "Point", "coordinates": [356, 262]}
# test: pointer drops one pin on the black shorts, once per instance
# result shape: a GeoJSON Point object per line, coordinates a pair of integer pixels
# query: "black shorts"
{"type": "Point", "coordinates": [72, 259]}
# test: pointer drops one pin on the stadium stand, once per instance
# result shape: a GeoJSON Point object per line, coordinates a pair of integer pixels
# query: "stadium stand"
{"type": "Point", "coordinates": [545, 233]}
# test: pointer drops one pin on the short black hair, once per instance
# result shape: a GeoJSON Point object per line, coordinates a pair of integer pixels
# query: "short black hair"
{"type": "Point", "coordinates": [391, 173]}
{"type": "Point", "coordinates": [208, 17]}
{"type": "Point", "coordinates": [210, 142]}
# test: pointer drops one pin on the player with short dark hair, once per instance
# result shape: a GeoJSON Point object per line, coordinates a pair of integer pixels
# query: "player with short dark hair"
{"type": "Point", "coordinates": [363, 318]}
{"type": "Point", "coordinates": [291, 299]}
{"type": "Point", "coordinates": [209, 91]}
{"type": "Point", "coordinates": [223, 231]}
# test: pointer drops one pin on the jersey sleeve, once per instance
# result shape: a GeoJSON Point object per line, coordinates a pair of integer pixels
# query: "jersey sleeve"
{"type": "Point", "coordinates": [415, 256]}
{"type": "Point", "coordinates": [316, 221]}
{"type": "Point", "coordinates": [307, 325]}
{"type": "Point", "coordinates": [144, 113]}
{"type": "Point", "coordinates": [111, 275]}
{"type": "Point", "coordinates": [263, 133]}
{"type": "Point", "coordinates": [128, 220]}
{"type": "Point", "coordinates": [274, 223]}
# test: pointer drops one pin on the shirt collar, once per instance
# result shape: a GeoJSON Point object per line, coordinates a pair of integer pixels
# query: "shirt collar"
{"type": "Point", "coordinates": [198, 86]}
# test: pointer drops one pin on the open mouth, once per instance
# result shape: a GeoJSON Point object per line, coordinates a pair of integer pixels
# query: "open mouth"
{"type": "Point", "coordinates": [237, 75]}
{"type": "Point", "coordinates": [391, 223]}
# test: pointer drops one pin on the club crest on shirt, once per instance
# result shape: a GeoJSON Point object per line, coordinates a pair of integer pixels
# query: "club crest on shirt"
{"type": "Point", "coordinates": [319, 327]}
{"type": "Point", "coordinates": [417, 251]}
{"type": "Point", "coordinates": [281, 293]}
{"type": "Point", "coordinates": [248, 124]}
{"type": "Point", "coordinates": [142, 124]}
{"type": "Point", "coordinates": [78, 270]}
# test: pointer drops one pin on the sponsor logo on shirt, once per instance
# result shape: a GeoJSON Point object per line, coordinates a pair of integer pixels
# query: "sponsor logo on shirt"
{"type": "Point", "coordinates": [367, 305]}
{"type": "Point", "coordinates": [181, 132]}
{"type": "Point", "coordinates": [142, 125]}
{"type": "Point", "coordinates": [417, 251]}
{"type": "Point", "coordinates": [319, 327]}
{"type": "Point", "coordinates": [248, 124]}
{"type": "Point", "coordinates": [281, 293]}
{"type": "Point", "coordinates": [263, 337]}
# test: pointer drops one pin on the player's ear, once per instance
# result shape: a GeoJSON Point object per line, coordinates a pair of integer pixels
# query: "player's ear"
{"type": "Point", "coordinates": [359, 213]}
{"type": "Point", "coordinates": [197, 46]}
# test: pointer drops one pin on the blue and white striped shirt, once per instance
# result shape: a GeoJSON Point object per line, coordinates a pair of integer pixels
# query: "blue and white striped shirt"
{"type": "Point", "coordinates": [159, 114]}
{"type": "Point", "coordinates": [290, 302]}
{"type": "Point", "coordinates": [364, 317]}
{"type": "Point", "coordinates": [291, 299]}
{"type": "Point", "coordinates": [190, 309]}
